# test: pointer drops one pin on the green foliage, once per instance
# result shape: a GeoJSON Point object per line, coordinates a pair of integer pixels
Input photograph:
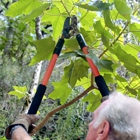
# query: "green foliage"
{"type": "Point", "coordinates": [122, 8]}
{"type": "Point", "coordinates": [45, 49]}
{"type": "Point", "coordinates": [3, 138]}
{"type": "Point", "coordinates": [98, 6]}
{"type": "Point", "coordinates": [22, 7]}
{"type": "Point", "coordinates": [57, 20]}
{"type": "Point", "coordinates": [135, 28]}
{"type": "Point", "coordinates": [72, 73]}
{"type": "Point", "coordinates": [36, 12]}
{"type": "Point", "coordinates": [99, 62]}
{"type": "Point", "coordinates": [94, 101]}
{"type": "Point", "coordinates": [20, 92]}
{"type": "Point", "coordinates": [62, 91]}
{"type": "Point", "coordinates": [99, 29]}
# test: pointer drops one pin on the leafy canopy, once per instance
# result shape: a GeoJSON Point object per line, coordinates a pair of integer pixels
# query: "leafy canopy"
{"type": "Point", "coordinates": [104, 25]}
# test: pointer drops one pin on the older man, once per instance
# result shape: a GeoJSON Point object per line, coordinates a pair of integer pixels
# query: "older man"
{"type": "Point", "coordinates": [117, 118]}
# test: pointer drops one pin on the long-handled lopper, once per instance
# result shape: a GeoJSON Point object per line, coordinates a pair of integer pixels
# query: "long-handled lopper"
{"type": "Point", "coordinates": [68, 31]}
{"type": "Point", "coordinates": [103, 88]}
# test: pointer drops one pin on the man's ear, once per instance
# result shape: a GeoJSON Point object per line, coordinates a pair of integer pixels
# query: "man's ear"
{"type": "Point", "coordinates": [103, 130]}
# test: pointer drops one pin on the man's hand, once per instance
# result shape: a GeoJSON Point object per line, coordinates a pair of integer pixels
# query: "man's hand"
{"type": "Point", "coordinates": [24, 120]}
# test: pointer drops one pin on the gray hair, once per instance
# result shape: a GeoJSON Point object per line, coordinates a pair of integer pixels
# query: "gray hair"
{"type": "Point", "coordinates": [123, 114]}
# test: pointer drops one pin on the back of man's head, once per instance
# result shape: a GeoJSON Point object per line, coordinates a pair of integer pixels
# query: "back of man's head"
{"type": "Point", "coordinates": [123, 114]}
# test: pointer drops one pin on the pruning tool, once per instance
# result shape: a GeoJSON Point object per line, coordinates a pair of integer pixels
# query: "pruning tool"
{"type": "Point", "coordinates": [69, 29]}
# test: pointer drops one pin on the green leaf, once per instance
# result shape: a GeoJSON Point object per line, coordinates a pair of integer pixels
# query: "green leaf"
{"type": "Point", "coordinates": [133, 68]}
{"type": "Point", "coordinates": [98, 6]}
{"type": "Point", "coordinates": [107, 64]}
{"type": "Point", "coordinates": [22, 7]}
{"type": "Point", "coordinates": [131, 90]}
{"type": "Point", "coordinates": [132, 49]}
{"type": "Point", "coordinates": [68, 55]}
{"type": "Point", "coordinates": [62, 91]}
{"type": "Point", "coordinates": [119, 78]}
{"type": "Point", "coordinates": [57, 19]}
{"type": "Point", "coordinates": [87, 7]}
{"type": "Point", "coordinates": [108, 22]}
{"type": "Point", "coordinates": [130, 62]}
{"type": "Point", "coordinates": [20, 92]}
{"type": "Point", "coordinates": [99, 62]}
{"type": "Point", "coordinates": [135, 82]}
{"type": "Point", "coordinates": [105, 40]}
{"type": "Point", "coordinates": [105, 34]}
{"type": "Point", "coordinates": [64, 9]}
{"type": "Point", "coordinates": [134, 28]}
{"type": "Point", "coordinates": [71, 45]}
{"type": "Point", "coordinates": [89, 36]}
{"type": "Point", "coordinates": [87, 21]}
{"type": "Point", "coordinates": [75, 71]}
{"type": "Point", "coordinates": [114, 15]}
{"type": "Point", "coordinates": [94, 101]}
{"type": "Point", "coordinates": [98, 27]}
{"type": "Point", "coordinates": [45, 49]}
{"type": "Point", "coordinates": [36, 12]}
{"type": "Point", "coordinates": [76, 53]}
{"type": "Point", "coordinates": [108, 78]}
{"type": "Point", "coordinates": [84, 82]}
{"type": "Point", "coordinates": [3, 138]}
{"type": "Point", "coordinates": [122, 8]}
{"type": "Point", "coordinates": [124, 57]}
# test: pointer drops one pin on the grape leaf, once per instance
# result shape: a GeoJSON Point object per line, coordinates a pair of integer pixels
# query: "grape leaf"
{"type": "Point", "coordinates": [94, 101]}
{"type": "Point", "coordinates": [36, 12]}
{"type": "Point", "coordinates": [130, 62]}
{"type": "Point", "coordinates": [119, 78]}
{"type": "Point", "coordinates": [100, 63]}
{"type": "Point", "coordinates": [98, 6]}
{"type": "Point", "coordinates": [87, 21]}
{"type": "Point", "coordinates": [122, 8]}
{"type": "Point", "coordinates": [84, 82]}
{"type": "Point", "coordinates": [22, 7]}
{"type": "Point", "coordinates": [134, 28]}
{"type": "Point", "coordinates": [71, 45]}
{"type": "Point", "coordinates": [108, 22]}
{"type": "Point", "coordinates": [45, 49]}
{"type": "Point", "coordinates": [75, 71]}
{"type": "Point", "coordinates": [62, 91]}
{"type": "Point", "coordinates": [89, 36]}
{"type": "Point", "coordinates": [131, 90]}
{"type": "Point", "coordinates": [57, 19]}
{"type": "Point", "coordinates": [20, 92]}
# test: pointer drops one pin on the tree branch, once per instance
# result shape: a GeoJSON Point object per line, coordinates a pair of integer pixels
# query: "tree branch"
{"type": "Point", "coordinates": [115, 39]}
{"type": "Point", "coordinates": [92, 79]}
{"type": "Point", "coordinates": [65, 7]}
{"type": "Point", "coordinates": [50, 114]}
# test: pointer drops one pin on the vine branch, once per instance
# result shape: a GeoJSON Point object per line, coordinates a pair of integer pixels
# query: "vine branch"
{"type": "Point", "coordinates": [65, 7]}
{"type": "Point", "coordinates": [115, 39]}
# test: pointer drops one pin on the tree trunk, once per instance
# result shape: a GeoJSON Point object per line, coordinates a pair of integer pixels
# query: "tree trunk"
{"type": "Point", "coordinates": [37, 71]}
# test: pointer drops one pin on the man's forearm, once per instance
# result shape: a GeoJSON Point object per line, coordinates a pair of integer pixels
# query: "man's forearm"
{"type": "Point", "coordinates": [20, 134]}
